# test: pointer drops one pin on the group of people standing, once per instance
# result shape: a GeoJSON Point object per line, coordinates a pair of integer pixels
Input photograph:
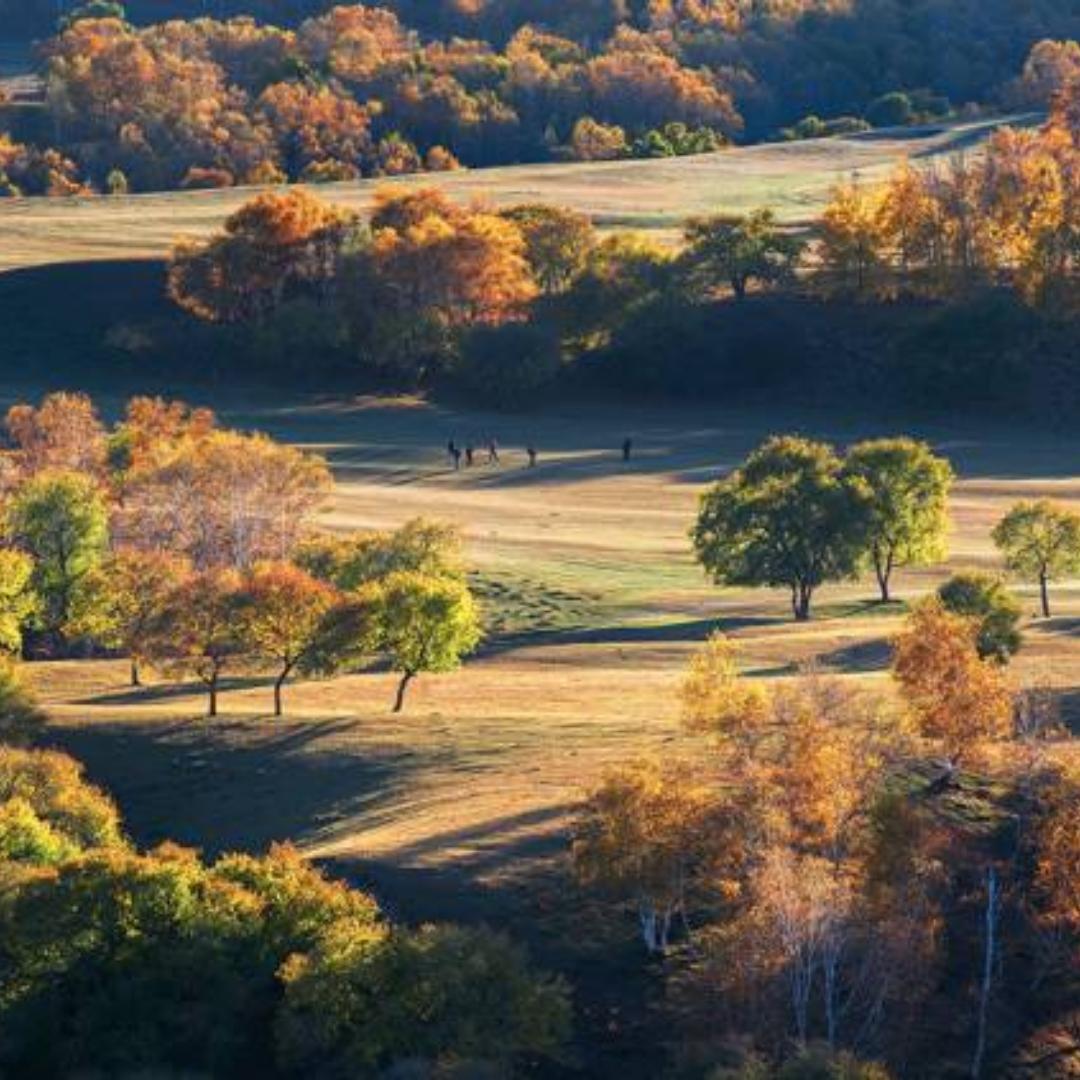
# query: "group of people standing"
{"type": "Point", "coordinates": [470, 453]}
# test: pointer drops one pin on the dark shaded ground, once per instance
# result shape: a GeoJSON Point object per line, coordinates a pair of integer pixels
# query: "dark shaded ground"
{"type": "Point", "coordinates": [226, 787]}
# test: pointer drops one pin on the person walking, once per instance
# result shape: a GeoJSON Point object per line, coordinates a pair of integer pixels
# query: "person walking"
{"type": "Point", "coordinates": [627, 448]}
{"type": "Point", "coordinates": [531, 451]}
{"type": "Point", "coordinates": [493, 452]}
{"type": "Point", "coordinates": [453, 453]}
{"type": "Point", "coordinates": [456, 456]}
{"type": "Point", "coordinates": [469, 456]}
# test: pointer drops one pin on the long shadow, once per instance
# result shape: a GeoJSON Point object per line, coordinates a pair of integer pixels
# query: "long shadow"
{"type": "Point", "coordinates": [662, 633]}
{"type": "Point", "coordinates": [158, 692]}
{"type": "Point", "coordinates": [198, 784]}
{"type": "Point", "coordinates": [861, 658]}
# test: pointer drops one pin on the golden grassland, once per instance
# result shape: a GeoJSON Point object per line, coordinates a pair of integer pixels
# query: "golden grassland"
{"type": "Point", "coordinates": [595, 606]}
{"type": "Point", "coordinates": [656, 195]}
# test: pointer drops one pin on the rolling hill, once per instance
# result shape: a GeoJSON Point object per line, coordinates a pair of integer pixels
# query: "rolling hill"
{"type": "Point", "coordinates": [793, 178]}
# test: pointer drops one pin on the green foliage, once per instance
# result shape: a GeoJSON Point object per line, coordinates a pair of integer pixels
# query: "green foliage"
{"type": "Point", "coordinates": [890, 110]}
{"type": "Point", "coordinates": [118, 963]}
{"type": "Point", "coordinates": [1041, 542]}
{"type": "Point", "coordinates": [909, 518]}
{"type": "Point", "coordinates": [437, 995]}
{"type": "Point", "coordinates": [71, 815]}
{"type": "Point", "coordinates": [20, 719]}
{"type": "Point", "coordinates": [420, 546]}
{"type": "Point", "coordinates": [60, 520]}
{"type": "Point", "coordinates": [426, 624]}
{"type": "Point", "coordinates": [790, 516]}
{"type": "Point", "coordinates": [984, 597]}
{"type": "Point", "coordinates": [116, 183]}
{"type": "Point", "coordinates": [18, 602]}
{"type": "Point", "coordinates": [738, 250]}
{"type": "Point", "coordinates": [509, 366]}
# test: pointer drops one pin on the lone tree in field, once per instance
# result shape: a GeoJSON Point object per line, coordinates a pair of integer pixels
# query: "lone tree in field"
{"type": "Point", "coordinates": [790, 517]}
{"type": "Point", "coordinates": [739, 250]}
{"type": "Point", "coordinates": [425, 624]}
{"type": "Point", "coordinates": [955, 695]}
{"type": "Point", "coordinates": [909, 489]}
{"type": "Point", "coordinates": [198, 629]}
{"type": "Point", "coordinates": [60, 521]}
{"type": "Point", "coordinates": [1041, 542]}
{"type": "Point", "coordinates": [985, 598]}
{"type": "Point", "coordinates": [284, 609]}
{"type": "Point", "coordinates": [118, 602]}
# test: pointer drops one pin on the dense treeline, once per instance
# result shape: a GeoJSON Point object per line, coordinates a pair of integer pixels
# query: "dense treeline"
{"type": "Point", "coordinates": [505, 303]}
{"type": "Point", "coordinates": [349, 91]}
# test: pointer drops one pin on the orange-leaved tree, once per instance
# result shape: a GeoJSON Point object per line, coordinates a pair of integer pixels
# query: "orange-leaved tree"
{"type": "Point", "coordinates": [955, 695]}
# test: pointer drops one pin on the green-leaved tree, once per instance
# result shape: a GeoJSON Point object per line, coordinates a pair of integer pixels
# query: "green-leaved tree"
{"type": "Point", "coordinates": [59, 519]}
{"type": "Point", "coordinates": [425, 624]}
{"type": "Point", "coordinates": [1041, 542]}
{"type": "Point", "coordinates": [790, 517]}
{"type": "Point", "coordinates": [909, 491]}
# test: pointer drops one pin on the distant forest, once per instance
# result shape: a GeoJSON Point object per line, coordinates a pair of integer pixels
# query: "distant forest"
{"type": "Point", "coordinates": [782, 59]}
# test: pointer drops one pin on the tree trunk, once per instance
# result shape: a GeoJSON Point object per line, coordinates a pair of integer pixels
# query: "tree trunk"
{"type": "Point", "coordinates": [135, 680]}
{"type": "Point", "coordinates": [1044, 592]}
{"type": "Point", "coordinates": [993, 904]}
{"type": "Point", "coordinates": [399, 702]}
{"type": "Point", "coordinates": [800, 601]}
{"type": "Point", "coordinates": [883, 570]}
{"type": "Point", "coordinates": [212, 689]}
{"type": "Point", "coordinates": [278, 683]}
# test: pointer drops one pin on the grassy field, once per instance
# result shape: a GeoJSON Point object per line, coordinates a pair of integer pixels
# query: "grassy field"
{"type": "Point", "coordinates": [594, 606]}
{"type": "Point", "coordinates": [793, 178]}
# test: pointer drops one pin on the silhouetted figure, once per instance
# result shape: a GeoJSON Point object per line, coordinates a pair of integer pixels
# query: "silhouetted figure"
{"type": "Point", "coordinates": [627, 448]}
{"type": "Point", "coordinates": [493, 452]}
{"type": "Point", "coordinates": [452, 451]}
{"type": "Point", "coordinates": [468, 457]}
{"type": "Point", "coordinates": [531, 451]}
{"type": "Point", "coordinates": [456, 455]}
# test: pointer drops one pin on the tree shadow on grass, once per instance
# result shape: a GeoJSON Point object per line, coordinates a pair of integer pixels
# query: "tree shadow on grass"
{"type": "Point", "coordinates": [169, 691]}
{"type": "Point", "coordinates": [220, 785]}
{"type": "Point", "coordinates": [859, 658]}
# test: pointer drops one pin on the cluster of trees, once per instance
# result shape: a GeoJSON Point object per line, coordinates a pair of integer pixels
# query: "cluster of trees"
{"type": "Point", "coordinates": [507, 301]}
{"type": "Point", "coordinates": [1011, 215]}
{"type": "Point", "coordinates": [509, 79]}
{"type": "Point", "coordinates": [797, 514]}
{"type": "Point", "coordinates": [122, 962]}
{"type": "Point", "coordinates": [355, 92]}
{"type": "Point", "coordinates": [822, 873]}
{"type": "Point", "coordinates": [174, 542]}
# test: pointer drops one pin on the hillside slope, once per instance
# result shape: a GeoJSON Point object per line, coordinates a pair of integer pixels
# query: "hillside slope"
{"type": "Point", "coordinates": [793, 178]}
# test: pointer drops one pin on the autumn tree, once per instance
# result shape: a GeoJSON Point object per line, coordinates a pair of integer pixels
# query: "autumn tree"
{"type": "Point", "coordinates": [199, 630]}
{"type": "Point", "coordinates": [223, 499]}
{"type": "Point", "coordinates": [985, 598]}
{"type": "Point", "coordinates": [463, 265]}
{"type": "Point", "coordinates": [908, 511]}
{"type": "Point", "coordinates": [557, 242]}
{"type": "Point", "coordinates": [426, 624]}
{"type": "Point", "coordinates": [273, 242]}
{"type": "Point", "coordinates": [853, 243]}
{"type": "Point", "coordinates": [790, 517]}
{"type": "Point", "coordinates": [60, 520]}
{"type": "Point", "coordinates": [593, 141]}
{"type": "Point", "coordinates": [640, 836]}
{"type": "Point", "coordinates": [1040, 541]}
{"type": "Point", "coordinates": [21, 720]}
{"type": "Point", "coordinates": [283, 613]}
{"type": "Point", "coordinates": [955, 695]}
{"type": "Point", "coordinates": [63, 433]}
{"type": "Point", "coordinates": [738, 250]}
{"type": "Point", "coordinates": [18, 601]}
{"type": "Point", "coordinates": [119, 602]}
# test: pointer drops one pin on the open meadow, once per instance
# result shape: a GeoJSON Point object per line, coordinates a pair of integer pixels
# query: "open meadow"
{"type": "Point", "coordinates": [656, 195]}
{"type": "Point", "coordinates": [593, 606]}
